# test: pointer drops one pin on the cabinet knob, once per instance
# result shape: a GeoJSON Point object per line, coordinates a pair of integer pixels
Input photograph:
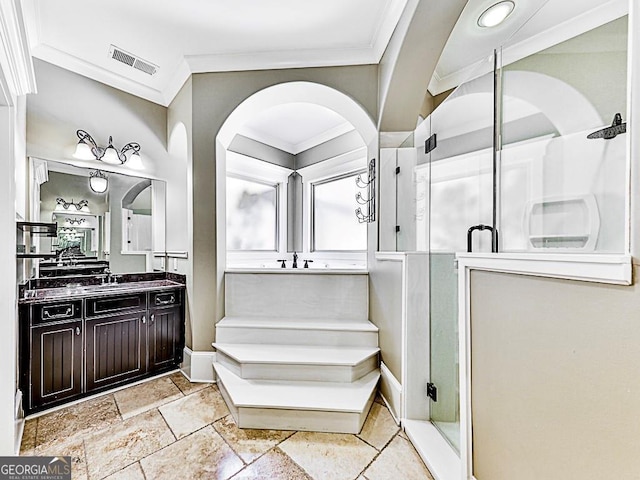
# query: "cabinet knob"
{"type": "Point", "coordinates": [144, 319]}
{"type": "Point", "coordinates": [153, 317]}
{"type": "Point", "coordinates": [77, 330]}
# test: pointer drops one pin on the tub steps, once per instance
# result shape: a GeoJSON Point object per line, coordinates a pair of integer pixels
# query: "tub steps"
{"type": "Point", "coordinates": [297, 362]}
{"type": "Point", "coordinates": [300, 369]}
{"type": "Point", "coordinates": [297, 331]}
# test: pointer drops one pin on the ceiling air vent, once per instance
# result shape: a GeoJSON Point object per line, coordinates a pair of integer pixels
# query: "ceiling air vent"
{"type": "Point", "coordinates": [128, 59]}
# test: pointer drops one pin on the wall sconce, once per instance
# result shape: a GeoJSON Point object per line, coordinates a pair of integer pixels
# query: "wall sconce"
{"type": "Point", "coordinates": [88, 149]}
{"type": "Point", "coordinates": [75, 221]}
{"type": "Point", "coordinates": [98, 181]}
{"type": "Point", "coordinates": [70, 207]}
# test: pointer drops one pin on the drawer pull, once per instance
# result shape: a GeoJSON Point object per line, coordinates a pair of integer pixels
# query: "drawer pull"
{"type": "Point", "coordinates": [172, 299]}
{"type": "Point", "coordinates": [67, 313]}
{"type": "Point", "coordinates": [77, 330]}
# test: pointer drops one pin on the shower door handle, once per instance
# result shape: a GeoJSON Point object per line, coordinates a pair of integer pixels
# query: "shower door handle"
{"type": "Point", "coordinates": [470, 234]}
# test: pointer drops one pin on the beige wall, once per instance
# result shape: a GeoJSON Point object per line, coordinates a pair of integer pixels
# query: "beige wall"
{"type": "Point", "coordinates": [555, 378]}
{"type": "Point", "coordinates": [215, 96]}
{"type": "Point", "coordinates": [66, 102]}
{"type": "Point", "coordinates": [385, 311]}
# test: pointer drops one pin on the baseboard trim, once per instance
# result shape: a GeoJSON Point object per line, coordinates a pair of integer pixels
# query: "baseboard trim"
{"type": "Point", "coordinates": [391, 392]}
{"type": "Point", "coordinates": [19, 422]}
{"type": "Point", "coordinates": [198, 366]}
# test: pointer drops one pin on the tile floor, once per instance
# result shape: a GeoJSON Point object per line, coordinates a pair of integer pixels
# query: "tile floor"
{"type": "Point", "coordinates": [169, 428]}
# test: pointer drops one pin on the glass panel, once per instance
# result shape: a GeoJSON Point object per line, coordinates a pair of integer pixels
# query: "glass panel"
{"type": "Point", "coordinates": [560, 190]}
{"type": "Point", "coordinates": [252, 216]}
{"type": "Point", "coordinates": [455, 181]}
{"type": "Point", "coordinates": [335, 225]}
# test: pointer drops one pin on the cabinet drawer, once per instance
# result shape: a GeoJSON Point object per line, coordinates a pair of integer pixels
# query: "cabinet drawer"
{"type": "Point", "coordinates": [57, 312]}
{"type": "Point", "coordinates": [165, 299]}
{"type": "Point", "coordinates": [116, 304]}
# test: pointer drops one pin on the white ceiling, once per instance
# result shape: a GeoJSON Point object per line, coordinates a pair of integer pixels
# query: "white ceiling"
{"type": "Point", "coordinates": [295, 127]}
{"type": "Point", "coordinates": [533, 26]}
{"type": "Point", "coordinates": [189, 36]}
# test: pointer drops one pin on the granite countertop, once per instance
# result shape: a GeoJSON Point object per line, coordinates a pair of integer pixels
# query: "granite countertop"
{"type": "Point", "coordinates": [77, 291]}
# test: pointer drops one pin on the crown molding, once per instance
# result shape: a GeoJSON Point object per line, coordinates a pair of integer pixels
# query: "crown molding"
{"type": "Point", "coordinates": [99, 74]}
{"type": "Point", "coordinates": [15, 56]}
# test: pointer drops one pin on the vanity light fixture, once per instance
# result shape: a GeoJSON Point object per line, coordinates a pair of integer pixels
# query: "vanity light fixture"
{"type": "Point", "coordinates": [98, 181]}
{"type": "Point", "coordinates": [88, 149]}
{"type": "Point", "coordinates": [75, 221]}
{"type": "Point", "coordinates": [71, 207]}
{"type": "Point", "coordinates": [496, 14]}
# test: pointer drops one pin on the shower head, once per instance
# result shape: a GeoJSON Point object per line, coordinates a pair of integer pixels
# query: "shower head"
{"type": "Point", "coordinates": [610, 132]}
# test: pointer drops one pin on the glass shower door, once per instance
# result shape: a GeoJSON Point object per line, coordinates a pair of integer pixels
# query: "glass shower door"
{"type": "Point", "coordinates": [461, 197]}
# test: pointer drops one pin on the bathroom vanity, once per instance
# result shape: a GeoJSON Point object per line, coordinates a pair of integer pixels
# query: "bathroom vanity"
{"type": "Point", "coordinates": [80, 336]}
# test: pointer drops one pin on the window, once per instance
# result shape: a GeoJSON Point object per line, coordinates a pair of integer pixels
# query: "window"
{"type": "Point", "coordinates": [252, 215]}
{"type": "Point", "coordinates": [335, 225]}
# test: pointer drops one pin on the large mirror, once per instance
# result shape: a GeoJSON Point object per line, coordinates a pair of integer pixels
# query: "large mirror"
{"type": "Point", "coordinates": [104, 220]}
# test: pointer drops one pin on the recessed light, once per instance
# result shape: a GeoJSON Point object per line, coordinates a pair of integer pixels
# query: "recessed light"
{"type": "Point", "coordinates": [496, 14]}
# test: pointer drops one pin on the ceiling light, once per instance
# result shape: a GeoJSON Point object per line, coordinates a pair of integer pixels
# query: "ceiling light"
{"type": "Point", "coordinates": [496, 14]}
{"type": "Point", "coordinates": [98, 181]}
{"type": "Point", "coordinates": [88, 149]}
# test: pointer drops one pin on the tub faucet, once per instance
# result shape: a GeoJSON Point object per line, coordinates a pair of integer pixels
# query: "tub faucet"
{"type": "Point", "coordinates": [295, 260]}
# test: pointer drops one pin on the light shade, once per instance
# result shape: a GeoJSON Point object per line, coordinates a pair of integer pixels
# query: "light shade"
{"type": "Point", "coordinates": [111, 156]}
{"type": "Point", "coordinates": [83, 152]}
{"type": "Point", "coordinates": [98, 181]}
{"type": "Point", "coordinates": [496, 14]}
{"type": "Point", "coordinates": [135, 162]}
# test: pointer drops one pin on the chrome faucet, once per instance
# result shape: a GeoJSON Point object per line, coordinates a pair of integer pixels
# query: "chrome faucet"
{"type": "Point", "coordinates": [295, 260]}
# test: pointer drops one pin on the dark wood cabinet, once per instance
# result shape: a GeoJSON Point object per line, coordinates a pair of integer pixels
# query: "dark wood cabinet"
{"type": "Point", "coordinates": [75, 347]}
{"type": "Point", "coordinates": [164, 337]}
{"type": "Point", "coordinates": [115, 349]}
{"type": "Point", "coordinates": [56, 362]}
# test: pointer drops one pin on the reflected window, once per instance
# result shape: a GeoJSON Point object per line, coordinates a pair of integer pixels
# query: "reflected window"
{"type": "Point", "coordinates": [335, 225]}
{"type": "Point", "coordinates": [252, 215]}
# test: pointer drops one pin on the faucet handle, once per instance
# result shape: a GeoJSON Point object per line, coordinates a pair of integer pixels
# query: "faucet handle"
{"type": "Point", "coordinates": [283, 263]}
{"type": "Point", "coordinates": [306, 263]}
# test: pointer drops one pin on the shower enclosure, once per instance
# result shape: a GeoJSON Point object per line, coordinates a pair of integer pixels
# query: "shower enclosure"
{"type": "Point", "coordinates": [526, 157]}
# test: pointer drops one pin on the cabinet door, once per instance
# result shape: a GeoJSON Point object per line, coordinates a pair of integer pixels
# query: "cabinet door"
{"type": "Point", "coordinates": [116, 349]}
{"type": "Point", "coordinates": [164, 337]}
{"type": "Point", "coordinates": [56, 362]}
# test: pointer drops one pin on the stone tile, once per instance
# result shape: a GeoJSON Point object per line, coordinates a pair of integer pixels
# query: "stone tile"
{"type": "Point", "coordinates": [77, 420]}
{"type": "Point", "coordinates": [378, 399]}
{"type": "Point", "coordinates": [203, 454]}
{"type": "Point", "coordinates": [274, 465]}
{"type": "Point", "coordinates": [403, 434]}
{"type": "Point", "coordinates": [191, 413]}
{"type": "Point", "coordinates": [249, 443]}
{"type": "Point", "coordinates": [145, 396]}
{"type": "Point", "coordinates": [329, 456]}
{"type": "Point", "coordinates": [132, 472]}
{"type": "Point", "coordinates": [379, 427]}
{"type": "Point", "coordinates": [74, 448]}
{"type": "Point", "coordinates": [28, 444]}
{"type": "Point", "coordinates": [118, 446]}
{"type": "Point", "coordinates": [398, 460]}
{"type": "Point", "coordinates": [185, 385]}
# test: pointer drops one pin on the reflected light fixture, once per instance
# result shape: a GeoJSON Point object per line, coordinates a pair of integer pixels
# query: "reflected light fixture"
{"type": "Point", "coordinates": [88, 149]}
{"type": "Point", "coordinates": [98, 181]}
{"type": "Point", "coordinates": [71, 207]}
{"type": "Point", "coordinates": [496, 14]}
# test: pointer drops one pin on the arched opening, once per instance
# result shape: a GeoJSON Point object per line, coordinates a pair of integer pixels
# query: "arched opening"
{"type": "Point", "coordinates": [287, 162]}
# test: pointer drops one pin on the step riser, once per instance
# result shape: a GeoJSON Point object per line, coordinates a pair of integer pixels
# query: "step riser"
{"type": "Point", "coordinates": [297, 295]}
{"type": "Point", "coordinates": [317, 373]}
{"type": "Point", "coordinates": [284, 336]}
{"type": "Point", "coordinates": [304, 420]}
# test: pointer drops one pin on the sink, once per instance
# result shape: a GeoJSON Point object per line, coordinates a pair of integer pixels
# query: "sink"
{"type": "Point", "coordinates": [106, 287]}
